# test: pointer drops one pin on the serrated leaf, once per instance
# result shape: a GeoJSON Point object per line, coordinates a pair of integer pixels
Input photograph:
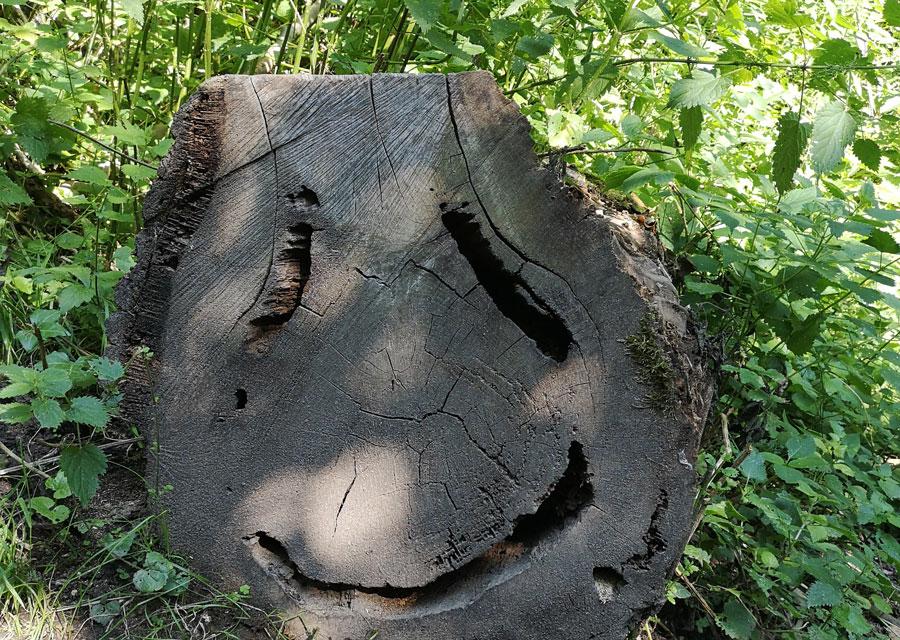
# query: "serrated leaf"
{"type": "Point", "coordinates": [15, 389]}
{"type": "Point", "coordinates": [837, 52]}
{"type": "Point", "coordinates": [15, 412]}
{"type": "Point", "coordinates": [11, 193]}
{"type": "Point", "coordinates": [822, 594]}
{"type": "Point", "coordinates": [833, 130]}
{"type": "Point", "coordinates": [83, 467]}
{"type": "Point", "coordinates": [89, 174]}
{"type": "Point", "coordinates": [789, 147]}
{"type": "Point", "coordinates": [868, 152]}
{"type": "Point", "coordinates": [88, 410]}
{"type": "Point", "coordinates": [700, 89]}
{"type": "Point", "coordinates": [737, 621]}
{"type": "Point", "coordinates": [424, 12]}
{"type": "Point", "coordinates": [138, 172]}
{"type": "Point", "coordinates": [691, 121]}
{"type": "Point", "coordinates": [48, 412]}
{"type": "Point", "coordinates": [680, 46]}
{"type": "Point", "coordinates": [134, 9]}
{"type": "Point", "coordinates": [108, 370]}
{"type": "Point", "coordinates": [30, 122]}
{"type": "Point", "coordinates": [53, 382]}
{"type": "Point", "coordinates": [882, 241]}
{"type": "Point", "coordinates": [74, 296]}
{"type": "Point", "coordinates": [754, 467]}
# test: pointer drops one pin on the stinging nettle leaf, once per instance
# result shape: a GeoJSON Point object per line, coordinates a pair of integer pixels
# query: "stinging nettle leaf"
{"type": "Point", "coordinates": [822, 594]}
{"type": "Point", "coordinates": [868, 152]}
{"type": "Point", "coordinates": [737, 621]}
{"type": "Point", "coordinates": [789, 147]}
{"type": "Point", "coordinates": [88, 410]}
{"type": "Point", "coordinates": [833, 130]}
{"type": "Point", "coordinates": [48, 412]}
{"type": "Point", "coordinates": [700, 89]}
{"type": "Point", "coordinates": [424, 12]}
{"type": "Point", "coordinates": [83, 467]}
{"type": "Point", "coordinates": [691, 121]}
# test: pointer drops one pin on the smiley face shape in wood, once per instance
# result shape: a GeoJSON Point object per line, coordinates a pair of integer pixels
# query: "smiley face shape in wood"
{"type": "Point", "coordinates": [392, 387]}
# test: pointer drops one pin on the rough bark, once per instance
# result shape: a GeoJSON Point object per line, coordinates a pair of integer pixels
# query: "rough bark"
{"type": "Point", "coordinates": [403, 379]}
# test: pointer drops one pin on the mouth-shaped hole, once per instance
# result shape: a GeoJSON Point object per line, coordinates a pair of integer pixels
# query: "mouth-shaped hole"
{"type": "Point", "coordinates": [532, 537]}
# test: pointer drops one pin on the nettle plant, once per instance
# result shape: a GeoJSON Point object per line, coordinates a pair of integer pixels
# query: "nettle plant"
{"type": "Point", "coordinates": [56, 393]}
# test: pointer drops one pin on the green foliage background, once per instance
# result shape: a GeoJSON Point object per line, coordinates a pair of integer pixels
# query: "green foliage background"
{"type": "Point", "coordinates": [760, 137]}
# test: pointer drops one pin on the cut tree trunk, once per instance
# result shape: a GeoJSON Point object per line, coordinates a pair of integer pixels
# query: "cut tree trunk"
{"type": "Point", "coordinates": [404, 380]}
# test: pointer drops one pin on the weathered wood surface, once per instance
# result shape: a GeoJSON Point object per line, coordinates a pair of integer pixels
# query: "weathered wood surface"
{"type": "Point", "coordinates": [401, 377]}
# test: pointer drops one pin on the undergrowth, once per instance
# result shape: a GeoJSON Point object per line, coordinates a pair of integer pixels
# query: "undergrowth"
{"type": "Point", "coordinates": [760, 138]}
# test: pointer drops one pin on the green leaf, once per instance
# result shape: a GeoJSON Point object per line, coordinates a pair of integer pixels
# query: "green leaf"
{"type": "Point", "coordinates": [15, 389]}
{"type": "Point", "coordinates": [138, 172]}
{"type": "Point", "coordinates": [737, 621]}
{"type": "Point", "coordinates": [74, 296]}
{"type": "Point", "coordinates": [789, 147]}
{"type": "Point", "coordinates": [513, 8]}
{"type": "Point", "coordinates": [837, 52]}
{"type": "Point", "coordinates": [754, 467]}
{"type": "Point", "coordinates": [53, 382]}
{"type": "Point", "coordinates": [83, 467]}
{"type": "Point", "coordinates": [882, 241]}
{"type": "Point", "coordinates": [535, 46]}
{"type": "Point", "coordinates": [150, 580]}
{"type": "Point", "coordinates": [15, 412]}
{"type": "Point", "coordinates": [690, 120]}
{"type": "Point", "coordinates": [89, 174]}
{"type": "Point", "coordinates": [632, 126]}
{"type": "Point", "coordinates": [59, 486]}
{"type": "Point", "coordinates": [892, 12]}
{"type": "Point", "coordinates": [134, 9]}
{"type": "Point", "coordinates": [645, 176]}
{"type": "Point", "coordinates": [424, 12]}
{"type": "Point", "coordinates": [868, 152]}
{"type": "Point", "coordinates": [822, 594]}
{"type": "Point", "coordinates": [46, 507]}
{"type": "Point", "coordinates": [88, 410]}
{"type": "Point", "coordinates": [700, 89]}
{"type": "Point", "coordinates": [11, 193]}
{"type": "Point", "coordinates": [108, 370]}
{"type": "Point", "coordinates": [48, 412]}
{"type": "Point", "coordinates": [123, 259]}
{"type": "Point", "coordinates": [801, 338]}
{"type": "Point", "coordinates": [833, 130]}
{"type": "Point", "coordinates": [680, 46]}
{"type": "Point", "coordinates": [32, 128]}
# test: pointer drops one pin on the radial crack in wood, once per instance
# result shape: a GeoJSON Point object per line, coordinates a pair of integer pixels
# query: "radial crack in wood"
{"type": "Point", "coordinates": [400, 374]}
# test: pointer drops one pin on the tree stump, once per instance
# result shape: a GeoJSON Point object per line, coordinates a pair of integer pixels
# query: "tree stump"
{"type": "Point", "coordinates": [404, 380]}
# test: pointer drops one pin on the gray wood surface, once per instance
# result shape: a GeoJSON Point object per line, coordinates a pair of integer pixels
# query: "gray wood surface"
{"type": "Point", "coordinates": [394, 385]}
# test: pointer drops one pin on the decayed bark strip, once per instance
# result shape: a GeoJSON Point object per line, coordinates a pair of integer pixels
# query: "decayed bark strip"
{"type": "Point", "coordinates": [400, 375]}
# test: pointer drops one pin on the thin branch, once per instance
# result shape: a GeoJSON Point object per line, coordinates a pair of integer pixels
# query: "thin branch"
{"type": "Point", "coordinates": [754, 63]}
{"type": "Point", "coordinates": [31, 466]}
{"type": "Point", "coordinates": [43, 462]}
{"type": "Point", "coordinates": [722, 63]}
{"type": "Point", "coordinates": [585, 151]}
{"type": "Point", "coordinates": [102, 144]}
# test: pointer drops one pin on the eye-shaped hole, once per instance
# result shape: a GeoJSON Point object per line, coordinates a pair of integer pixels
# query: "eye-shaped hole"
{"type": "Point", "coordinates": [304, 197]}
{"type": "Point", "coordinates": [240, 396]}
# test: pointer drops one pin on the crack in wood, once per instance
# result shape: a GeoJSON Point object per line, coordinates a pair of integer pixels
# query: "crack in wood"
{"type": "Point", "coordinates": [533, 536]}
